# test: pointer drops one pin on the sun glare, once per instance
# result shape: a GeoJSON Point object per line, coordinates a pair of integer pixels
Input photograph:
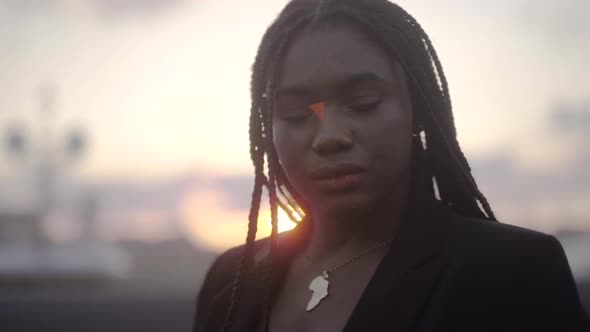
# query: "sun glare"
{"type": "Point", "coordinates": [210, 224]}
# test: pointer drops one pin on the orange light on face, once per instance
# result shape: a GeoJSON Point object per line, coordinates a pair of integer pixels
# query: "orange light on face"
{"type": "Point", "coordinates": [319, 109]}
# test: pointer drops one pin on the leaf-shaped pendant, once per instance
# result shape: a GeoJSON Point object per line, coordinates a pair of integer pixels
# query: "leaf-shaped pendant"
{"type": "Point", "coordinates": [319, 287]}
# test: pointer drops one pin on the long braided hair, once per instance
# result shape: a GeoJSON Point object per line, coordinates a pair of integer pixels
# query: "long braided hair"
{"type": "Point", "coordinates": [403, 39]}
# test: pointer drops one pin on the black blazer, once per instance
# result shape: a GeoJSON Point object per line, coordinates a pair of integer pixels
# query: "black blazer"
{"type": "Point", "coordinates": [444, 272]}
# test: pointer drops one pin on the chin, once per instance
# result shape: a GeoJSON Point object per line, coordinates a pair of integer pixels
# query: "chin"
{"type": "Point", "coordinates": [346, 204]}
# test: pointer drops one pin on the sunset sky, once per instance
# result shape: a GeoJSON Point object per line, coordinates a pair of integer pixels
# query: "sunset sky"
{"type": "Point", "coordinates": [163, 92]}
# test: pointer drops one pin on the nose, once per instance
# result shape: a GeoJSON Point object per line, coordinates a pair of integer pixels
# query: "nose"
{"type": "Point", "coordinates": [332, 136]}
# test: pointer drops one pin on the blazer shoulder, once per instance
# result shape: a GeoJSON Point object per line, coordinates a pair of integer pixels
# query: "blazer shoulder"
{"type": "Point", "coordinates": [223, 270]}
{"type": "Point", "coordinates": [485, 236]}
{"type": "Point", "coordinates": [504, 251]}
{"type": "Point", "coordinates": [213, 293]}
{"type": "Point", "coordinates": [522, 271]}
{"type": "Point", "coordinates": [218, 279]}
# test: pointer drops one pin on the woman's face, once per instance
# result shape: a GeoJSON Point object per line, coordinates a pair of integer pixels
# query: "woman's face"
{"type": "Point", "coordinates": [342, 121]}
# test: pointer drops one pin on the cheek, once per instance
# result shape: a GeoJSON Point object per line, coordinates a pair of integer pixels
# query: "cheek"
{"type": "Point", "coordinates": [391, 140]}
{"type": "Point", "coordinates": [290, 145]}
{"type": "Point", "coordinates": [282, 143]}
{"type": "Point", "coordinates": [290, 152]}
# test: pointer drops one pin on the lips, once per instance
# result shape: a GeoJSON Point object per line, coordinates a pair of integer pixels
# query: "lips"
{"type": "Point", "coordinates": [338, 177]}
{"type": "Point", "coordinates": [335, 171]}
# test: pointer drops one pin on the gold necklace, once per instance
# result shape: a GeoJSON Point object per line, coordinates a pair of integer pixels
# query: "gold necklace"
{"type": "Point", "coordinates": [319, 285]}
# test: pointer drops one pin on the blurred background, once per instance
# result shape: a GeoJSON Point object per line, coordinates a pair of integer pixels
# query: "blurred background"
{"type": "Point", "coordinates": [124, 165]}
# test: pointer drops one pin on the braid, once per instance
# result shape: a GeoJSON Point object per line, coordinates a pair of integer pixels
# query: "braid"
{"type": "Point", "coordinates": [274, 168]}
{"type": "Point", "coordinates": [456, 184]}
{"type": "Point", "coordinates": [401, 37]}
{"type": "Point", "coordinates": [432, 100]}
{"type": "Point", "coordinates": [444, 89]}
{"type": "Point", "coordinates": [257, 154]}
{"type": "Point", "coordinates": [261, 143]}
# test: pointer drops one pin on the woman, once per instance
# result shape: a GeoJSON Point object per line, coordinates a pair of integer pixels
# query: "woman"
{"type": "Point", "coordinates": [352, 114]}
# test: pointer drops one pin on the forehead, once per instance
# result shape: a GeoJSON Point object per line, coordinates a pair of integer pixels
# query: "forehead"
{"type": "Point", "coordinates": [324, 55]}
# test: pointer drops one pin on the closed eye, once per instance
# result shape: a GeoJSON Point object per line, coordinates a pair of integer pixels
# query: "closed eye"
{"type": "Point", "coordinates": [365, 106]}
{"type": "Point", "coordinates": [295, 115]}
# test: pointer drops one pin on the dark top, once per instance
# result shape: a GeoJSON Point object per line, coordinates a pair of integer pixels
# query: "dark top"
{"type": "Point", "coordinates": [444, 272]}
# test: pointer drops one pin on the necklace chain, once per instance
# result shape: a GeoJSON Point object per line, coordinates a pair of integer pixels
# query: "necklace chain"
{"type": "Point", "coordinates": [352, 259]}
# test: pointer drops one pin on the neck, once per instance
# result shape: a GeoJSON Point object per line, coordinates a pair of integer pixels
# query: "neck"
{"type": "Point", "coordinates": [353, 231]}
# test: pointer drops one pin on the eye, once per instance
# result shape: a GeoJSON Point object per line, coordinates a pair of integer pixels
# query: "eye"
{"type": "Point", "coordinates": [294, 114]}
{"type": "Point", "coordinates": [296, 118]}
{"type": "Point", "coordinates": [365, 105]}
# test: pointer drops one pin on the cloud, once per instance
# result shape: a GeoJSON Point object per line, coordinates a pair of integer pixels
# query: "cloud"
{"type": "Point", "coordinates": [563, 22]}
{"type": "Point", "coordinates": [571, 117]}
{"type": "Point", "coordinates": [546, 201]}
{"type": "Point", "coordinates": [110, 8]}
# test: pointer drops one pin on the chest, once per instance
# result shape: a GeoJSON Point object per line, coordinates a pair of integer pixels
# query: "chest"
{"type": "Point", "coordinates": [344, 288]}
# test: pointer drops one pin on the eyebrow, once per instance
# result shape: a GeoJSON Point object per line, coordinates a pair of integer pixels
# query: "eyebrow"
{"type": "Point", "coordinates": [361, 77]}
{"type": "Point", "coordinates": [347, 82]}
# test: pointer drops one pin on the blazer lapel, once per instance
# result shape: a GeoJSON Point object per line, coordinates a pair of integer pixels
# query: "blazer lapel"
{"type": "Point", "coordinates": [405, 277]}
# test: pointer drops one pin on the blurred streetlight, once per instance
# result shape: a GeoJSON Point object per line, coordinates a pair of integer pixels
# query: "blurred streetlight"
{"type": "Point", "coordinates": [15, 142]}
{"type": "Point", "coordinates": [44, 151]}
